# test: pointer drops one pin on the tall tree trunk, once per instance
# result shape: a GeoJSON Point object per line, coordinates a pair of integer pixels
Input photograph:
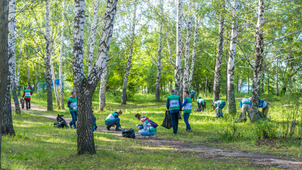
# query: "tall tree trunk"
{"type": "Point", "coordinates": [54, 83]}
{"type": "Point", "coordinates": [36, 79]}
{"type": "Point", "coordinates": [85, 87]}
{"type": "Point", "coordinates": [102, 93]}
{"type": "Point", "coordinates": [259, 46]}
{"type": "Point", "coordinates": [7, 120]}
{"type": "Point", "coordinates": [178, 68]}
{"type": "Point", "coordinates": [277, 79]}
{"type": "Point", "coordinates": [194, 53]}
{"type": "Point", "coordinates": [11, 52]}
{"type": "Point", "coordinates": [125, 80]}
{"type": "Point", "coordinates": [47, 58]}
{"type": "Point", "coordinates": [267, 82]}
{"type": "Point", "coordinates": [3, 58]}
{"type": "Point", "coordinates": [216, 88]}
{"type": "Point", "coordinates": [231, 63]}
{"type": "Point", "coordinates": [28, 76]}
{"type": "Point", "coordinates": [158, 76]}
{"type": "Point", "coordinates": [18, 78]}
{"type": "Point", "coordinates": [248, 81]}
{"type": "Point", "coordinates": [92, 34]}
{"type": "Point", "coordinates": [262, 82]}
{"type": "Point", "coordinates": [206, 85]}
{"type": "Point", "coordinates": [226, 81]}
{"type": "Point", "coordinates": [61, 57]}
{"type": "Point", "coordinates": [187, 56]}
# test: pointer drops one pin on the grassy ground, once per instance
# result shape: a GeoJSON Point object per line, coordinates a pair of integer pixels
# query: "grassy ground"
{"type": "Point", "coordinates": [38, 145]}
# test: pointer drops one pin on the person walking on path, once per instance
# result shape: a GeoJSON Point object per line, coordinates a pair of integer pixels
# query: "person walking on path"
{"type": "Point", "coordinates": [173, 105]}
{"type": "Point", "coordinates": [114, 120]}
{"type": "Point", "coordinates": [192, 93]}
{"type": "Point", "coordinates": [187, 109]}
{"type": "Point", "coordinates": [245, 105]}
{"type": "Point", "coordinates": [27, 96]}
{"type": "Point", "coordinates": [73, 108]}
{"type": "Point", "coordinates": [201, 104]}
{"type": "Point", "coordinates": [219, 104]}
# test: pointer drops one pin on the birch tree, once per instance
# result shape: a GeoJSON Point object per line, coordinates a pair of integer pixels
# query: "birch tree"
{"type": "Point", "coordinates": [231, 64]}
{"type": "Point", "coordinates": [11, 52]}
{"type": "Point", "coordinates": [54, 82]}
{"type": "Point", "coordinates": [178, 67]}
{"type": "Point", "coordinates": [258, 61]}
{"type": "Point", "coordinates": [102, 92]}
{"type": "Point", "coordinates": [194, 52]}
{"type": "Point", "coordinates": [159, 57]}
{"type": "Point", "coordinates": [216, 88]}
{"type": "Point", "coordinates": [61, 57]}
{"type": "Point", "coordinates": [3, 57]}
{"type": "Point", "coordinates": [277, 79]}
{"type": "Point", "coordinates": [125, 80]}
{"type": "Point", "coordinates": [92, 34]}
{"type": "Point", "coordinates": [85, 87]}
{"type": "Point", "coordinates": [187, 56]}
{"type": "Point", "coordinates": [47, 58]}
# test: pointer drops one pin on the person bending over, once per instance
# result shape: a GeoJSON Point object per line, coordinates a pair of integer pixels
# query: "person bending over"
{"type": "Point", "coordinates": [113, 119]}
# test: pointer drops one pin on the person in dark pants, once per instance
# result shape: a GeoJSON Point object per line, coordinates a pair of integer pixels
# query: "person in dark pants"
{"type": "Point", "coordinates": [173, 105]}
{"type": "Point", "coordinates": [73, 108]}
{"type": "Point", "coordinates": [114, 120]}
{"type": "Point", "coordinates": [192, 93]}
{"type": "Point", "coordinates": [187, 105]}
{"type": "Point", "coordinates": [27, 94]}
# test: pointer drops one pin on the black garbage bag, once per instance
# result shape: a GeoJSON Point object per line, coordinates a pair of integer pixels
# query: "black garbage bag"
{"type": "Point", "coordinates": [167, 121]}
{"type": "Point", "coordinates": [130, 133]}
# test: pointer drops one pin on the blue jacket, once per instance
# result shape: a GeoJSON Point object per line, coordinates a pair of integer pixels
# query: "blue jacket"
{"type": "Point", "coordinates": [185, 102]}
{"type": "Point", "coordinates": [168, 106]}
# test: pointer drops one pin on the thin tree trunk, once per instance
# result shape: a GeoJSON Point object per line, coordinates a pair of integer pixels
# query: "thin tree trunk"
{"type": "Point", "coordinates": [102, 93]}
{"type": "Point", "coordinates": [187, 57]}
{"type": "Point", "coordinates": [226, 81]}
{"type": "Point", "coordinates": [262, 82]}
{"type": "Point", "coordinates": [54, 83]}
{"type": "Point", "coordinates": [248, 81]}
{"type": "Point", "coordinates": [216, 88]}
{"type": "Point", "coordinates": [3, 58]}
{"type": "Point", "coordinates": [158, 76]}
{"type": "Point", "coordinates": [92, 34]}
{"type": "Point", "coordinates": [231, 63]}
{"type": "Point", "coordinates": [85, 87]}
{"type": "Point", "coordinates": [277, 79]}
{"type": "Point", "coordinates": [125, 80]}
{"type": "Point", "coordinates": [28, 76]}
{"type": "Point", "coordinates": [18, 78]}
{"type": "Point", "coordinates": [61, 57]}
{"type": "Point", "coordinates": [194, 53]}
{"type": "Point", "coordinates": [206, 85]}
{"type": "Point", "coordinates": [11, 52]}
{"type": "Point", "coordinates": [178, 67]}
{"type": "Point", "coordinates": [47, 59]}
{"type": "Point", "coordinates": [259, 46]}
{"type": "Point", "coordinates": [36, 79]}
{"type": "Point", "coordinates": [267, 82]}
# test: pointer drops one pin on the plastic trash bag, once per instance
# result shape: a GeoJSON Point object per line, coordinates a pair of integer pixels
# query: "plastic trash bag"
{"type": "Point", "coordinates": [167, 121]}
{"type": "Point", "coordinates": [130, 133]}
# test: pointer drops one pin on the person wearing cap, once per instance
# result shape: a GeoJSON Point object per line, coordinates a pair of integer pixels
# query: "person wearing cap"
{"type": "Point", "coordinates": [113, 119]}
{"type": "Point", "coordinates": [27, 95]}
{"type": "Point", "coordinates": [173, 105]}
{"type": "Point", "coordinates": [187, 105]}
{"type": "Point", "coordinates": [201, 104]}
{"type": "Point", "coordinates": [192, 93]}
{"type": "Point", "coordinates": [73, 108]}
{"type": "Point", "coordinates": [219, 104]}
{"type": "Point", "coordinates": [245, 105]}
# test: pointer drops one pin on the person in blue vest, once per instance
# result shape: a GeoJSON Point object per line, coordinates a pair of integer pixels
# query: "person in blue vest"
{"type": "Point", "coordinates": [114, 120]}
{"type": "Point", "coordinates": [245, 105]}
{"type": "Point", "coordinates": [187, 109]}
{"type": "Point", "coordinates": [264, 105]}
{"type": "Point", "coordinates": [73, 108]}
{"type": "Point", "coordinates": [219, 104]}
{"type": "Point", "coordinates": [173, 105]}
{"type": "Point", "coordinates": [192, 92]}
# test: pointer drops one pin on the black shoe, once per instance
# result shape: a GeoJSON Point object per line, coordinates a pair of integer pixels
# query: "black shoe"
{"type": "Point", "coordinates": [108, 128]}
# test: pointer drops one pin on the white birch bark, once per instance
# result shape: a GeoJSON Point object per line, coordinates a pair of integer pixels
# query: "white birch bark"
{"type": "Point", "coordinates": [11, 52]}
{"type": "Point", "coordinates": [92, 34]}
{"type": "Point", "coordinates": [125, 80]}
{"type": "Point", "coordinates": [85, 87]}
{"type": "Point", "coordinates": [258, 61]}
{"type": "Point", "coordinates": [231, 64]}
{"type": "Point", "coordinates": [206, 86]}
{"type": "Point", "coordinates": [61, 57]}
{"type": "Point", "coordinates": [54, 83]}
{"type": "Point", "coordinates": [37, 78]}
{"type": "Point", "coordinates": [216, 88]}
{"type": "Point", "coordinates": [187, 57]}
{"type": "Point", "coordinates": [194, 53]}
{"type": "Point", "coordinates": [178, 67]}
{"type": "Point", "coordinates": [102, 92]}
{"type": "Point", "coordinates": [47, 58]}
{"type": "Point", "coordinates": [18, 77]}
{"type": "Point", "coordinates": [277, 79]}
{"type": "Point", "coordinates": [158, 76]}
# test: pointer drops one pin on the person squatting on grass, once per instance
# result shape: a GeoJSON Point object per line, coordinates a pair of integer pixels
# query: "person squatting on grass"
{"type": "Point", "coordinates": [201, 104]}
{"type": "Point", "coordinates": [146, 129]}
{"type": "Point", "coordinates": [173, 104]}
{"type": "Point", "coordinates": [187, 108]}
{"type": "Point", "coordinates": [219, 104]}
{"type": "Point", "coordinates": [245, 105]}
{"type": "Point", "coordinates": [26, 95]}
{"type": "Point", "coordinates": [113, 119]}
{"type": "Point", "coordinates": [73, 108]}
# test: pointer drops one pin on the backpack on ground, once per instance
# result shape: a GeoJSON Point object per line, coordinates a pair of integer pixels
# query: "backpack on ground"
{"type": "Point", "coordinates": [130, 133]}
{"type": "Point", "coordinates": [153, 124]}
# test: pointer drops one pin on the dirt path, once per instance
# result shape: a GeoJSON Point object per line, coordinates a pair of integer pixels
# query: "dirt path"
{"type": "Point", "coordinates": [258, 160]}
